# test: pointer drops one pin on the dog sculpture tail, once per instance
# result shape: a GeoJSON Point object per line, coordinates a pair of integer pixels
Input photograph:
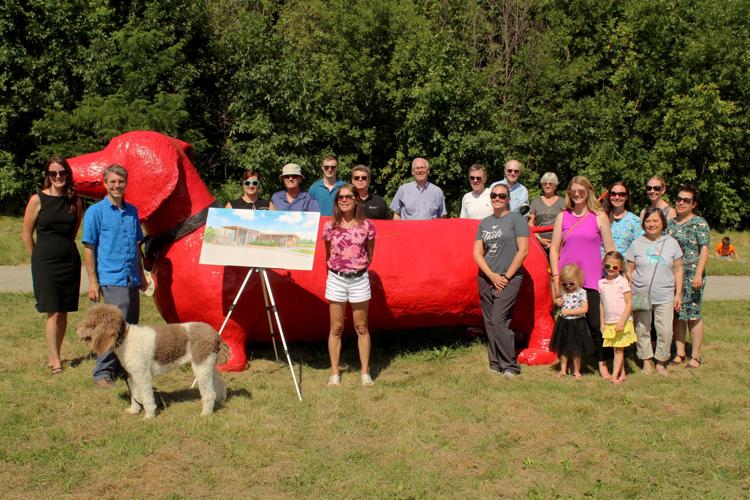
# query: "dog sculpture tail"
{"type": "Point", "coordinates": [224, 354]}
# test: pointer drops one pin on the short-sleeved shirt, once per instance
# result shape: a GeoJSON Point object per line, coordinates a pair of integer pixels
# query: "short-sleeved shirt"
{"type": "Point", "coordinates": [545, 215]}
{"type": "Point", "coordinates": [574, 300]}
{"type": "Point", "coordinates": [725, 252]}
{"type": "Point", "coordinates": [612, 294]}
{"type": "Point", "coordinates": [259, 204]}
{"type": "Point", "coordinates": [644, 253]}
{"type": "Point", "coordinates": [375, 207]}
{"type": "Point", "coordinates": [302, 203]}
{"type": "Point", "coordinates": [476, 206]}
{"type": "Point", "coordinates": [519, 195]}
{"type": "Point", "coordinates": [499, 237]}
{"type": "Point", "coordinates": [348, 245]}
{"type": "Point", "coordinates": [624, 231]}
{"type": "Point", "coordinates": [324, 196]}
{"type": "Point", "coordinates": [114, 233]}
{"type": "Point", "coordinates": [414, 203]}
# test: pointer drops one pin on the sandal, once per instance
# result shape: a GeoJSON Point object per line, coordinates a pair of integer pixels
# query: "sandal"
{"type": "Point", "coordinates": [694, 363]}
{"type": "Point", "coordinates": [678, 359]}
{"type": "Point", "coordinates": [57, 371]}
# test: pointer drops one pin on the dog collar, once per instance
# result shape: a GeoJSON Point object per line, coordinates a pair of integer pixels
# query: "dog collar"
{"type": "Point", "coordinates": [121, 335]}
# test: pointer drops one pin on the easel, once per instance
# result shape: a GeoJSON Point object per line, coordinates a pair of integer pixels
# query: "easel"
{"type": "Point", "coordinates": [270, 306]}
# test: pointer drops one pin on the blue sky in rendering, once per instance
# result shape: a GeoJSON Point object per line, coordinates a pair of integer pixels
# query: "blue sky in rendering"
{"type": "Point", "coordinates": [303, 224]}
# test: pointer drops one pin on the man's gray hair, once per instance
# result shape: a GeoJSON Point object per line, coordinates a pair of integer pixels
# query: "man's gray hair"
{"type": "Point", "coordinates": [116, 169]}
{"type": "Point", "coordinates": [361, 168]}
{"type": "Point", "coordinates": [477, 167]}
{"type": "Point", "coordinates": [420, 158]}
{"type": "Point", "coordinates": [549, 177]}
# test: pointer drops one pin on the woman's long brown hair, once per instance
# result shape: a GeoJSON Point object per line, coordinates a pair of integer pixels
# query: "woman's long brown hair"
{"type": "Point", "coordinates": [70, 191]}
{"type": "Point", "coordinates": [359, 210]}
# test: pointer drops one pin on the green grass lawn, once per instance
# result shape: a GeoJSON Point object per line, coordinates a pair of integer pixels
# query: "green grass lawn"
{"type": "Point", "coordinates": [436, 424]}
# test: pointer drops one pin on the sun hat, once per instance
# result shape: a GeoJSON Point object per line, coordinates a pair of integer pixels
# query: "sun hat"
{"type": "Point", "coordinates": [291, 169]}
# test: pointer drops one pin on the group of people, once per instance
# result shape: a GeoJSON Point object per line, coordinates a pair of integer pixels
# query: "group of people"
{"type": "Point", "coordinates": [605, 261]}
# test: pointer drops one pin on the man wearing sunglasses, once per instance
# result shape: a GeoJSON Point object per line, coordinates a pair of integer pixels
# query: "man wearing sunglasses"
{"type": "Point", "coordinates": [476, 203]}
{"type": "Point", "coordinates": [324, 190]}
{"type": "Point", "coordinates": [375, 206]}
{"type": "Point", "coordinates": [519, 195]}
{"type": "Point", "coordinates": [293, 199]}
{"type": "Point", "coordinates": [419, 199]}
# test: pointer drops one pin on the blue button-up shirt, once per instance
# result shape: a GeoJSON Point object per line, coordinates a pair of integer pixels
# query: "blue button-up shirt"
{"type": "Point", "coordinates": [114, 233]}
{"type": "Point", "coordinates": [324, 196]}
{"type": "Point", "coordinates": [519, 195]}
{"type": "Point", "coordinates": [413, 203]}
{"type": "Point", "coordinates": [302, 203]}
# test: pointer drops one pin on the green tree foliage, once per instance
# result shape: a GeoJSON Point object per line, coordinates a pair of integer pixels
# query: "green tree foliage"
{"type": "Point", "coordinates": [606, 88]}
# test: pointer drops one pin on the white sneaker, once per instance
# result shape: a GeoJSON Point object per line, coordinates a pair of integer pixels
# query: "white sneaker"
{"type": "Point", "coordinates": [334, 380]}
{"type": "Point", "coordinates": [509, 374]}
{"type": "Point", "coordinates": [366, 379]}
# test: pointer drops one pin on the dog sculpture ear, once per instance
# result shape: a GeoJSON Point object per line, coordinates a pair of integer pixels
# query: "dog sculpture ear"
{"type": "Point", "coordinates": [107, 323]}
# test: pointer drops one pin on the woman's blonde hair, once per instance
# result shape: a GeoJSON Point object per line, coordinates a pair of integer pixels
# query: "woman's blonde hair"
{"type": "Point", "coordinates": [591, 202]}
{"type": "Point", "coordinates": [572, 272]}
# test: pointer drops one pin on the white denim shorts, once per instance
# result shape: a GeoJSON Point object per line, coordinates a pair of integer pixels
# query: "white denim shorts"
{"type": "Point", "coordinates": [340, 289]}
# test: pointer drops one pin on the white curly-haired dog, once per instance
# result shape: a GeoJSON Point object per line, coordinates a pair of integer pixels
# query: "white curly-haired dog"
{"type": "Point", "coordinates": [145, 351]}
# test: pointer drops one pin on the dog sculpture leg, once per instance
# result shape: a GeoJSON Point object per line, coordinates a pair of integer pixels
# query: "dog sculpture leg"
{"type": "Point", "coordinates": [204, 373]}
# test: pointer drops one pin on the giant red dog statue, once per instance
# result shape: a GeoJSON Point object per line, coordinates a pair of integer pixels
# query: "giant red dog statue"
{"type": "Point", "coordinates": [422, 275]}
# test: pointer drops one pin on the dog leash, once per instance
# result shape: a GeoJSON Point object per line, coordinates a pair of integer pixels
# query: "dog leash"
{"type": "Point", "coordinates": [130, 393]}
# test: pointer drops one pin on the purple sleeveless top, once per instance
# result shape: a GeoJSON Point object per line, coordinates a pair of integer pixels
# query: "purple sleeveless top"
{"type": "Point", "coordinates": [582, 246]}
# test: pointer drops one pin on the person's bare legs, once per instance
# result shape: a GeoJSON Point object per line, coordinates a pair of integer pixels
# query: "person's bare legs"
{"type": "Point", "coordinates": [679, 340]}
{"type": "Point", "coordinates": [563, 366]}
{"type": "Point", "coordinates": [54, 330]}
{"type": "Point", "coordinates": [336, 310]}
{"type": "Point", "coordinates": [696, 339]}
{"type": "Point", "coordinates": [618, 372]}
{"type": "Point", "coordinates": [359, 314]}
{"type": "Point", "coordinates": [577, 366]}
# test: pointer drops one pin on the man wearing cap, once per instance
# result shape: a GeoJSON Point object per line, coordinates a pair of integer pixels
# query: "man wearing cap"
{"type": "Point", "coordinates": [419, 199]}
{"type": "Point", "coordinates": [293, 199]}
{"type": "Point", "coordinates": [519, 195]}
{"type": "Point", "coordinates": [324, 190]}
{"type": "Point", "coordinates": [375, 206]}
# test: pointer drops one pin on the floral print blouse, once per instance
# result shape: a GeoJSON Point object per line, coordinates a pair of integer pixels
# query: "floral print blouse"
{"type": "Point", "coordinates": [348, 245]}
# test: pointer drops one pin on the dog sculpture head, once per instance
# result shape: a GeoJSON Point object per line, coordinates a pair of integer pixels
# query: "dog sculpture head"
{"type": "Point", "coordinates": [101, 327]}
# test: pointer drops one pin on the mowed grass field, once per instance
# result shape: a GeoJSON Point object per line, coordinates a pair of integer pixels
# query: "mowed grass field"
{"type": "Point", "coordinates": [436, 424]}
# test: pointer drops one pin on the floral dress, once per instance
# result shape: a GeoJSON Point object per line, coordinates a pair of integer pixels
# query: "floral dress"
{"type": "Point", "coordinates": [692, 236]}
{"type": "Point", "coordinates": [624, 231]}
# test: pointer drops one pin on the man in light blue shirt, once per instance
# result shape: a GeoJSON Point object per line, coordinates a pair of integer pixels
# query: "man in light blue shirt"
{"type": "Point", "coordinates": [419, 199]}
{"type": "Point", "coordinates": [519, 195]}
{"type": "Point", "coordinates": [111, 237]}
{"type": "Point", "coordinates": [293, 199]}
{"type": "Point", "coordinates": [324, 190]}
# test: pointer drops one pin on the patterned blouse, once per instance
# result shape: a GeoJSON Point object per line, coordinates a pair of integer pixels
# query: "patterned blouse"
{"type": "Point", "coordinates": [692, 236]}
{"type": "Point", "coordinates": [348, 245]}
{"type": "Point", "coordinates": [624, 231]}
{"type": "Point", "coordinates": [574, 300]}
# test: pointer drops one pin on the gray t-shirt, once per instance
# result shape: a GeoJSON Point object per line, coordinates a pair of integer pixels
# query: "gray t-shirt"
{"type": "Point", "coordinates": [546, 215]}
{"type": "Point", "coordinates": [499, 236]}
{"type": "Point", "coordinates": [645, 254]}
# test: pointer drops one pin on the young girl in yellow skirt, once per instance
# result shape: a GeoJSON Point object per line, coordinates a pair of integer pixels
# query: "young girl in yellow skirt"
{"type": "Point", "coordinates": [616, 302]}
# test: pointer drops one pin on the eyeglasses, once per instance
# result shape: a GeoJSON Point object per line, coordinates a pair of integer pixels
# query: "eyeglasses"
{"type": "Point", "coordinates": [686, 201]}
{"type": "Point", "coordinates": [251, 183]}
{"type": "Point", "coordinates": [345, 197]}
{"type": "Point", "coordinates": [577, 192]}
{"type": "Point", "coordinates": [500, 196]}
{"type": "Point", "coordinates": [610, 266]}
{"type": "Point", "coordinates": [359, 177]}
{"type": "Point", "coordinates": [548, 184]}
{"type": "Point", "coordinates": [654, 188]}
{"type": "Point", "coordinates": [512, 171]}
{"type": "Point", "coordinates": [476, 178]}
{"type": "Point", "coordinates": [569, 283]}
{"type": "Point", "coordinates": [57, 173]}
{"type": "Point", "coordinates": [330, 167]}
{"type": "Point", "coordinates": [618, 194]}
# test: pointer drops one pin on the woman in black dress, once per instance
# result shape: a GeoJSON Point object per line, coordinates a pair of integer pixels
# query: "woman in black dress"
{"type": "Point", "coordinates": [55, 214]}
{"type": "Point", "coordinates": [250, 198]}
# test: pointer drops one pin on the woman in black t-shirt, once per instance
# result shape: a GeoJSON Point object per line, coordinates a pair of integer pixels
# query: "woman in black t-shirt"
{"type": "Point", "coordinates": [250, 198]}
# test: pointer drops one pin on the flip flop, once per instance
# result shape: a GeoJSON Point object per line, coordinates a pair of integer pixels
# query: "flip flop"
{"type": "Point", "coordinates": [694, 363]}
{"type": "Point", "coordinates": [678, 360]}
{"type": "Point", "coordinates": [57, 371]}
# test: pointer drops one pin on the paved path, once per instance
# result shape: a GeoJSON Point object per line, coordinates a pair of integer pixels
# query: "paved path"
{"type": "Point", "coordinates": [18, 279]}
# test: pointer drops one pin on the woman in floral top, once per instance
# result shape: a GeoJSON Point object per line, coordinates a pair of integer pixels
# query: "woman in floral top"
{"type": "Point", "coordinates": [693, 234]}
{"type": "Point", "coordinates": [350, 242]}
{"type": "Point", "coordinates": [624, 224]}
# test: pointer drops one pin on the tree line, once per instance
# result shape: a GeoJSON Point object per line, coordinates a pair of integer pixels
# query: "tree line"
{"type": "Point", "coordinates": [611, 89]}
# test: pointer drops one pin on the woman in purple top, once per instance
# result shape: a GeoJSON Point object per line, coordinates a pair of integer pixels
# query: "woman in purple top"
{"type": "Point", "coordinates": [579, 233]}
{"type": "Point", "coordinates": [350, 243]}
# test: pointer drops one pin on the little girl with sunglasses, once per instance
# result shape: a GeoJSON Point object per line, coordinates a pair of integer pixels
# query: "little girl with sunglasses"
{"type": "Point", "coordinates": [616, 323]}
{"type": "Point", "coordinates": [571, 337]}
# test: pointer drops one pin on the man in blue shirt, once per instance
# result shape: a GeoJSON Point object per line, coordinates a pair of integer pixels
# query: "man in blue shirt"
{"type": "Point", "coordinates": [519, 195]}
{"type": "Point", "coordinates": [324, 190]}
{"type": "Point", "coordinates": [293, 199]}
{"type": "Point", "coordinates": [111, 238]}
{"type": "Point", "coordinates": [419, 199]}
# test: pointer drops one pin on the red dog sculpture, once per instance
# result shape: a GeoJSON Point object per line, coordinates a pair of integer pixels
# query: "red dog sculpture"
{"type": "Point", "coordinates": [423, 274]}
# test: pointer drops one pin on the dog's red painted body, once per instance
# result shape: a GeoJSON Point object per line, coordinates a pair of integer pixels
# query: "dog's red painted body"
{"type": "Point", "coordinates": [423, 274]}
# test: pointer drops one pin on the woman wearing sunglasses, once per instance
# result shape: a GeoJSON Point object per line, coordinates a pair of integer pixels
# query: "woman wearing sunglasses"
{"type": "Point", "coordinates": [693, 234]}
{"type": "Point", "coordinates": [500, 246]}
{"type": "Point", "coordinates": [54, 213]}
{"type": "Point", "coordinates": [625, 225]}
{"type": "Point", "coordinates": [656, 188]}
{"type": "Point", "coordinates": [578, 236]}
{"type": "Point", "coordinates": [250, 198]}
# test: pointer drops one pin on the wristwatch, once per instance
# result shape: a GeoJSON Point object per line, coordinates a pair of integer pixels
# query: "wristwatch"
{"type": "Point", "coordinates": [505, 276]}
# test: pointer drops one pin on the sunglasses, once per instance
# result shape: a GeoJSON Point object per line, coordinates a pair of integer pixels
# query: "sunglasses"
{"type": "Point", "coordinates": [512, 171]}
{"type": "Point", "coordinates": [569, 283]}
{"type": "Point", "coordinates": [475, 178]}
{"type": "Point", "coordinates": [618, 194]}
{"type": "Point", "coordinates": [500, 196]}
{"type": "Point", "coordinates": [251, 183]}
{"type": "Point", "coordinates": [686, 201]}
{"type": "Point", "coordinates": [345, 197]}
{"type": "Point", "coordinates": [577, 192]}
{"type": "Point", "coordinates": [610, 266]}
{"type": "Point", "coordinates": [359, 178]}
{"type": "Point", "coordinates": [291, 177]}
{"type": "Point", "coordinates": [57, 173]}
{"type": "Point", "coordinates": [654, 188]}
{"type": "Point", "coordinates": [330, 167]}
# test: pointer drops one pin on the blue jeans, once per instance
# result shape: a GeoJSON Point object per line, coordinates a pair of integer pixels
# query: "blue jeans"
{"type": "Point", "coordinates": [129, 302]}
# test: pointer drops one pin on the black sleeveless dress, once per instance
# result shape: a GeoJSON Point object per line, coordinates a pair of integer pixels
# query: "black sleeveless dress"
{"type": "Point", "coordinates": [258, 205]}
{"type": "Point", "coordinates": [55, 263]}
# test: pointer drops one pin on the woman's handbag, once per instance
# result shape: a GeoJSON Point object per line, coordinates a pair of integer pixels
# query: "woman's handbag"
{"type": "Point", "coordinates": [642, 301]}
